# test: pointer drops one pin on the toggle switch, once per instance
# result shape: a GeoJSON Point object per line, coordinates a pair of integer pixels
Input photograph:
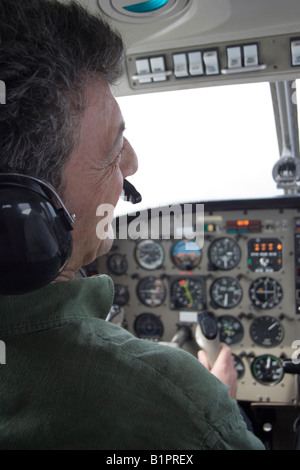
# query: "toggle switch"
{"type": "Point", "coordinates": [195, 63]}
{"type": "Point", "coordinates": [158, 65]}
{"type": "Point", "coordinates": [234, 57]}
{"type": "Point", "coordinates": [180, 65]}
{"type": "Point", "coordinates": [295, 50]}
{"type": "Point", "coordinates": [210, 59]}
{"type": "Point", "coordinates": [250, 55]}
{"type": "Point", "coordinates": [143, 68]}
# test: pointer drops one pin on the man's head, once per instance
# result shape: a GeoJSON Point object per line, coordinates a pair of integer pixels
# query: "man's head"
{"type": "Point", "coordinates": [49, 52]}
{"type": "Point", "coordinates": [61, 123]}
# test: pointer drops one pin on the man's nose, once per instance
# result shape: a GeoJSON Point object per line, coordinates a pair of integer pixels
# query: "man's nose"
{"type": "Point", "coordinates": [129, 161]}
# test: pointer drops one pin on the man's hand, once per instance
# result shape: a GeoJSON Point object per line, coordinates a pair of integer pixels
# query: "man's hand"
{"type": "Point", "coordinates": [223, 368]}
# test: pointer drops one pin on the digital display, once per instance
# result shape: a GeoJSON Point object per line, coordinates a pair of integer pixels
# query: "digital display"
{"type": "Point", "coordinates": [243, 226]}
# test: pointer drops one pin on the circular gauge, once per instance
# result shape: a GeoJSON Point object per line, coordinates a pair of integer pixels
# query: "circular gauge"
{"type": "Point", "coordinates": [266, 331]}
{"type": "Point", "coordinates": [267, 369]}
{"type": "Point", "coordinates": [187, 293]}
{"type": "Point", "coordinates": [186, 254]}
{"type": "Point", "coordinates": [224, 253]}
{"type": "Point", "coordinates": [239, 366]}
{"type": "Point", "coordinates": [117, 264]}
{"type": "Point", "coordinates": [265, 292]}
{"type": "Point", "coordinates": [226, 292]}
{"type": "Point", "coordinates": [148, 326]}
{"type": "Point", "coordinates": [231, 329]}
{"type": "Point", "coordinates": [149, 254]}
{"type": "Point", "coordinates": [151, 291]}
{"type": "Point", "coordinates": [121, 295]}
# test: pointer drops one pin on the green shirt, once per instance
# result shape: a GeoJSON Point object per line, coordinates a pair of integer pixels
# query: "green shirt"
{"type": "Point", "coordinates": [74, 381]}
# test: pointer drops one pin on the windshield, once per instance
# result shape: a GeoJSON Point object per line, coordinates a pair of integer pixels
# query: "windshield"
{"type": "Point", "coordinates": [202, 144]}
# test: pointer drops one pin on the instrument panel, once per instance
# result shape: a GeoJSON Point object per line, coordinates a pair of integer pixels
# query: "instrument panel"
{"type": "Point", "coordinates": [247, 273]}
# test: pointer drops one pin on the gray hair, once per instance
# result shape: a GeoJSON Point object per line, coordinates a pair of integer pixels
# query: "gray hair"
{"type": "Point", "coordinates": [49, 51]}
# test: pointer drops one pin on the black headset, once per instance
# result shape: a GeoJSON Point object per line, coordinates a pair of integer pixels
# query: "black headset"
{"type": "Point", "coordinates": [35, 239]}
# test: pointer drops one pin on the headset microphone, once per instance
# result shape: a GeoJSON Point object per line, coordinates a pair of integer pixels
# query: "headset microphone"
{"type": "Point", "coordinates": [35, 239]}
{"type": "Point", "coordinates": [130, 193]}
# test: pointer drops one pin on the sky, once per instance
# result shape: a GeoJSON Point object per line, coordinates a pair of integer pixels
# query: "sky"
{"type": "Point", "coordinates": [202, 144]}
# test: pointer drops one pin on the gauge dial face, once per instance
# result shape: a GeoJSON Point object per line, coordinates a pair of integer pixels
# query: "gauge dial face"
{"type": "Point", "coordinates": [186, 255]}
{"type": "Point", "coordinates": [149, 254]}
{"type": "Point", "coordinates": [226, 292]}
{"type": "Point", "coordinates": [187, 293]}
{"type": "Point", "coordinates": [117, 264]}
{"type": "Point", "coordinates": [121, 295]}
{"type": "Point", "coordinates": [224, 253]}
{"type": "Point", "coordinates": [151, 291]}
{"type": "Point", "coordinates": [230, 329]}
{"type": "Point", "coordinates": [267, 369]}
{"type": "Point", "coordinates": [265, 292]}
{"type": "Point", "coordinates": [266, 331]}
{"type": "Point", "coordinates": [148, 326]}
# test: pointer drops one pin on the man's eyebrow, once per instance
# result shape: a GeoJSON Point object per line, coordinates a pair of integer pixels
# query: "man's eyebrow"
{"type": "Point", "coordinates": [117, 139]}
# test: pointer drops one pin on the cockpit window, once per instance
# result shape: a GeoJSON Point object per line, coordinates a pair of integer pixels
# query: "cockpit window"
{"type": "Point", "coordinates": [202, 144]}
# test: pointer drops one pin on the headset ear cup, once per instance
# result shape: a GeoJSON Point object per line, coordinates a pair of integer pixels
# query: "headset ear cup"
{"type": "Point", "coordinates": [35, 244]}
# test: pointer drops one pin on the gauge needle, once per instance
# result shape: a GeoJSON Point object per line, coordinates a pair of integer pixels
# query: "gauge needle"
{"type": "Point", "coordinates": [188, 294]}
{"type": "Point", "coordinates": [224, 259]}
{"type": "Point", "coordinates": [273, 325]}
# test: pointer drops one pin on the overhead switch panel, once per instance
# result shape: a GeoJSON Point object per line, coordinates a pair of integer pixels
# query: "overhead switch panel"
{"type": "Point", "coordinates": [257, 59]}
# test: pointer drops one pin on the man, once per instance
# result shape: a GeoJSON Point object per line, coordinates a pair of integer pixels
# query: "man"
{"type": "Point", "coordinates": [71, 379]}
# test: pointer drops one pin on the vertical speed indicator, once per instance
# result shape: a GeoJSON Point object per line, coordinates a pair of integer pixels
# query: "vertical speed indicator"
{"type": "Point", "coordinates": [187, 293]}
